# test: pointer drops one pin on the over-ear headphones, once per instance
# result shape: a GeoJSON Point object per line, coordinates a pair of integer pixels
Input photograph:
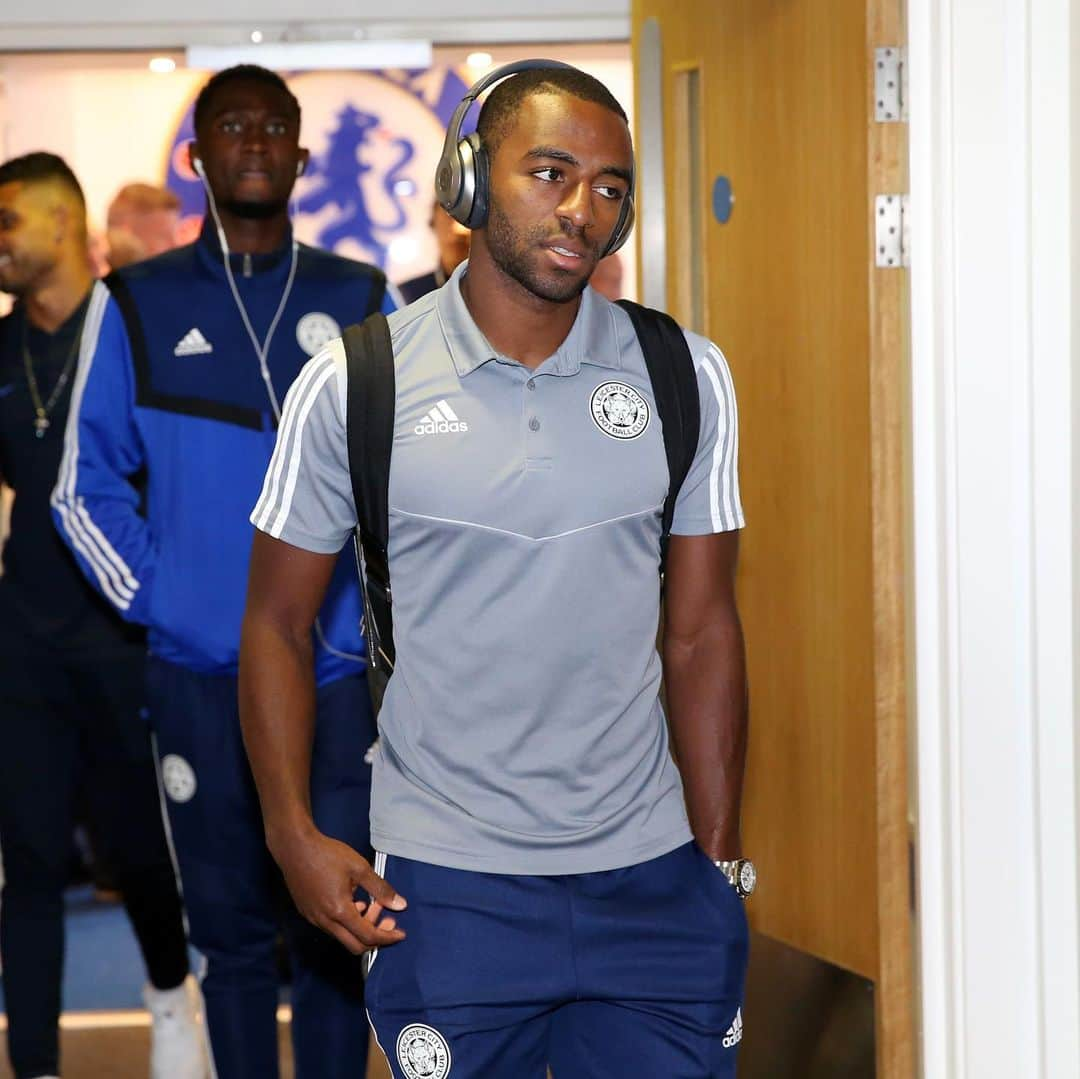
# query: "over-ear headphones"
{"type": "Point", "coordinates": [462, 175]}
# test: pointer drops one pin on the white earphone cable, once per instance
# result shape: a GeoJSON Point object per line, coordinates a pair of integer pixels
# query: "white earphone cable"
{"type": "Point", "coordinates": [262, 351]}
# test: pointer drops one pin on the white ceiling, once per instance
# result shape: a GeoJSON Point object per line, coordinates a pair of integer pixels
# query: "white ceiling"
{"type": "Point", "coordinates": [73, 24]}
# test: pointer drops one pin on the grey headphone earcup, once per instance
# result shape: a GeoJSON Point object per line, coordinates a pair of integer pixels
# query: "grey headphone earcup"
{"type": "Point", "coordinates": [481, 183]}
{"type": "Point", "coordinates": [448, 182]}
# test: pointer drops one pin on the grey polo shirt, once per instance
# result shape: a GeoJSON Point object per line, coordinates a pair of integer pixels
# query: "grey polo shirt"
{"type": "Point", "coordinates": [521, 731]}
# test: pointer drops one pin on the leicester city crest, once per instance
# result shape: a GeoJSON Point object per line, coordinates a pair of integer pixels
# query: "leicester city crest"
{"type": "Point", "coordinates": [619, 410]}
{"type": "Point", "coordinates": [423, 1053]}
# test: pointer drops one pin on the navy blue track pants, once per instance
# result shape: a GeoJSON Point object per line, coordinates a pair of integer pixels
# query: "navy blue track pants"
{"type": "Point", "coordinates": [628, 972]}
{"type": "Point", "coordinates": [69, 721]}
{"type": "Point", "coordinates": [234, 894]}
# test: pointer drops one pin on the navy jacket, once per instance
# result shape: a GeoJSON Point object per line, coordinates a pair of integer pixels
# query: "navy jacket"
{"type": "Point", "coordinates": [169, 395]}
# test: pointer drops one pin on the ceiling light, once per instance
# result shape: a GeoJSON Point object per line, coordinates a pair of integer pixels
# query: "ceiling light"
{"type": "Point", "coordinates": [162, 65]}
{"type": "Point", "coordinates": [478, 59]}
{"type": "Point", "coordinates": [314, 55]}
{"type": "Point", "coordinates": [256, 37]}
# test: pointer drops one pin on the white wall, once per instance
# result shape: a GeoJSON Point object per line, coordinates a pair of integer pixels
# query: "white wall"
{"type": "Point", "coordinates": [995, 261]}
{"type": "Point", "coordinates": [71, 24]}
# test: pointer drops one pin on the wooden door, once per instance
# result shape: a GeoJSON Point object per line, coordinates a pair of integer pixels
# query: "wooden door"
{"type": "Point", "coordinates": [776, 96]}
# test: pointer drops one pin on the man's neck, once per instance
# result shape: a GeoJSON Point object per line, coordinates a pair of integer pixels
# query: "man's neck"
{"type": "Point", "coordinates": [517, 323]}
{"type": "Point", "coordinates": [51, 304]}
{"type": "Point", "coordinates": [254, 235]}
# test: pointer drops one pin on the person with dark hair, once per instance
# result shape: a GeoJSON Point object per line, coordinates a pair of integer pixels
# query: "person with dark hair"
{"type": "Point", "coordinates": [251, 75]}
{"type": "Point", "coordinates": [552, 888]}
{"type": "Point", "coordinates": [72, 694]}
{"type": "Point", "coordinates": [185, 364]}
{"type": "Point", "coordinates": [452, 244]}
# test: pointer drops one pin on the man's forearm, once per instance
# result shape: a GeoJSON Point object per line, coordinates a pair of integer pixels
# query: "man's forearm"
{"type": "Point", "coordinates": [277, 714]}
{"type": "Point", "coordinates": [705, 677]}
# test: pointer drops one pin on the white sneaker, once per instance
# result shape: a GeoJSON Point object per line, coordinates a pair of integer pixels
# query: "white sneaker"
{"type": "Point", "coordinates": [178, 1047]}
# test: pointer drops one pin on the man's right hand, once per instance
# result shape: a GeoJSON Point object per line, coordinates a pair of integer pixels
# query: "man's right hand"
{"type": "Point", "coordinates": [323, 875]}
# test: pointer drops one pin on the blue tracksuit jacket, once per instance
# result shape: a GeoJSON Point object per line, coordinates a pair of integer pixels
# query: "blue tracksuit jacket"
{"type": "Point", "coordinates": [170, 433]}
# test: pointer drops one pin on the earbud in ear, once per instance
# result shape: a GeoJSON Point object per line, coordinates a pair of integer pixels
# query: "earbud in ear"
{"type": "Point", "coordinates": [197, 165]}
{"type": "Point", "coordinates": [300, 167]}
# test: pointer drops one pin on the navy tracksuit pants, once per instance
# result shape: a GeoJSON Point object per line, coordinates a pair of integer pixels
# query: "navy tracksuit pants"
{"type": "Point", "coordinates": [619, 974]}
{"type": "Point", "coordinates": [234, 894]}
{"type": "Point", "coordinates": [69, 721]}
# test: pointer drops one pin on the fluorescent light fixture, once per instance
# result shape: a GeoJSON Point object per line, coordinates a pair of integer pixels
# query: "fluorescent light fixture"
{"type": "Point", "coordinates": [162, 65]}
{"type": "Point", "coordinates": [313, 55]}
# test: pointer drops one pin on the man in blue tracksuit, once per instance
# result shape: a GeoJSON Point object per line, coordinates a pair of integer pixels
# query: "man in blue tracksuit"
{"type": "Point", "coordinates": [184, 363]}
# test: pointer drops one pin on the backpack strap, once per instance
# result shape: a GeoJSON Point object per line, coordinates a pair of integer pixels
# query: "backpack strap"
{"type": "Point", "coordinates": [369, 424]}
{"type": "Point", "coordinates": [674, 386]}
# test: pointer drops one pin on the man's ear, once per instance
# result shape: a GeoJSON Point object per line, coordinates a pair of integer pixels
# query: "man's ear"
{"type": "Point", "coordinates": [61, 216]}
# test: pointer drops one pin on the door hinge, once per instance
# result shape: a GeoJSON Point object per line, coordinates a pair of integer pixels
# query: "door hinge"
{"type": "Point", "coordinates": [891, 223]}
{"type": "Point", "coordinates": [890, 85]}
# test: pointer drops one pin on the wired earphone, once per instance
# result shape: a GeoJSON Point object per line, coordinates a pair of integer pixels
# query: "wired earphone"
{"type": "Point", "coordinates": [262, 350]}
{"type": "Point", "coordinates": [462, 176]}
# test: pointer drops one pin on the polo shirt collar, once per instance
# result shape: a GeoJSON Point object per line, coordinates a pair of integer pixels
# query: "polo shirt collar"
{"type": "Point", "coordinates": [592, 339]}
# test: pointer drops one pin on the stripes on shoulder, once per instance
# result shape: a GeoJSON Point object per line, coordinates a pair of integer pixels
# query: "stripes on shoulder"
{"type": "Point", "coordinates": [272, 510]}
{"type": "Point", "coordinates": [725, 508]}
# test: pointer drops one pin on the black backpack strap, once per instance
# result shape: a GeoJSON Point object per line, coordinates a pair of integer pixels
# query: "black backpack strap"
{"type": "Point", "coordinates": [369, 425]}
{"type": "Point", "coordinates": [674, 386]}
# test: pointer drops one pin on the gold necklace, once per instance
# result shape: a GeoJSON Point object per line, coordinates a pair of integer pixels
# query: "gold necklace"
{"type": "Point", "coordinates": [42, 409]}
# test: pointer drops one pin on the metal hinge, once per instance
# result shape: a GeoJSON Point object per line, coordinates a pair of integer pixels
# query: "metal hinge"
{"type": "Point", "coordinates": [891, 222]}
{"type": "Point", "coordinates": [890, 90]}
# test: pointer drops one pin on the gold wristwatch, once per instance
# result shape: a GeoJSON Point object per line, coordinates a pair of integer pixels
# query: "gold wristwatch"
{"type": "Point", "coordinates": [741, 875]}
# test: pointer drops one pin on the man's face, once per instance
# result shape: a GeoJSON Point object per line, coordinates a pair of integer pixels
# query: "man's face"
{"type": "Point", "coordinates": [249, 146]}
{"type": "Point", "coordinates": [558, 180]}
{"type": "Point", "coordinates": [31, 235]}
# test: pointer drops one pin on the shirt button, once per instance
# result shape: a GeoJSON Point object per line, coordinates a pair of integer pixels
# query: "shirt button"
{"type": "Point", "coordinates": [534, 424]}
{"type": "Point", "coordinates": [531, 383]}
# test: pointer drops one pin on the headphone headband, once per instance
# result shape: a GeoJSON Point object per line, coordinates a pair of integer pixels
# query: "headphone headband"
{"type": "Point", "coordinates": [453, 129]}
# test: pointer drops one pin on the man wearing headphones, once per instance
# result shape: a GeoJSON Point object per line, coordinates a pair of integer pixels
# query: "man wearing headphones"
{"type": "Point", "coordinates": [550, 889]}
{"type": "Point", "coordinates": [184, 363]}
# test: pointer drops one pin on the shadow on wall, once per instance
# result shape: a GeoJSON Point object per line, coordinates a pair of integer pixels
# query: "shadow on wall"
{"type": "Point", "coordinates": [804, 1018]}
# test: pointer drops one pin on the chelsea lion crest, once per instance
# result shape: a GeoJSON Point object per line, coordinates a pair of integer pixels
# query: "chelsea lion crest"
{"type": "Point", "coordinates": [619, 410]}
{"type": "Point", "coordinates": [423, 1053]}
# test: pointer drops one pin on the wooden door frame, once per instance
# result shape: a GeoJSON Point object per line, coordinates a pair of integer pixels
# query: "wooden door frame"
{"type": "Point", "coordinates": [889, 357]}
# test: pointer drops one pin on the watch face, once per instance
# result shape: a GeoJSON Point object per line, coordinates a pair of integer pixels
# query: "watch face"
{"type": "Point", "coordinates": [747, 877]}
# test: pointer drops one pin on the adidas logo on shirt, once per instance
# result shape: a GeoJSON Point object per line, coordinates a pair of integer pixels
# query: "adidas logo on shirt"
{"type": "Point", "coordinates": [440, 420]}
{"type": "Point", "coordinates": [192, 344]}
{"type": "Point", "coordinates": [734, 1033]}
